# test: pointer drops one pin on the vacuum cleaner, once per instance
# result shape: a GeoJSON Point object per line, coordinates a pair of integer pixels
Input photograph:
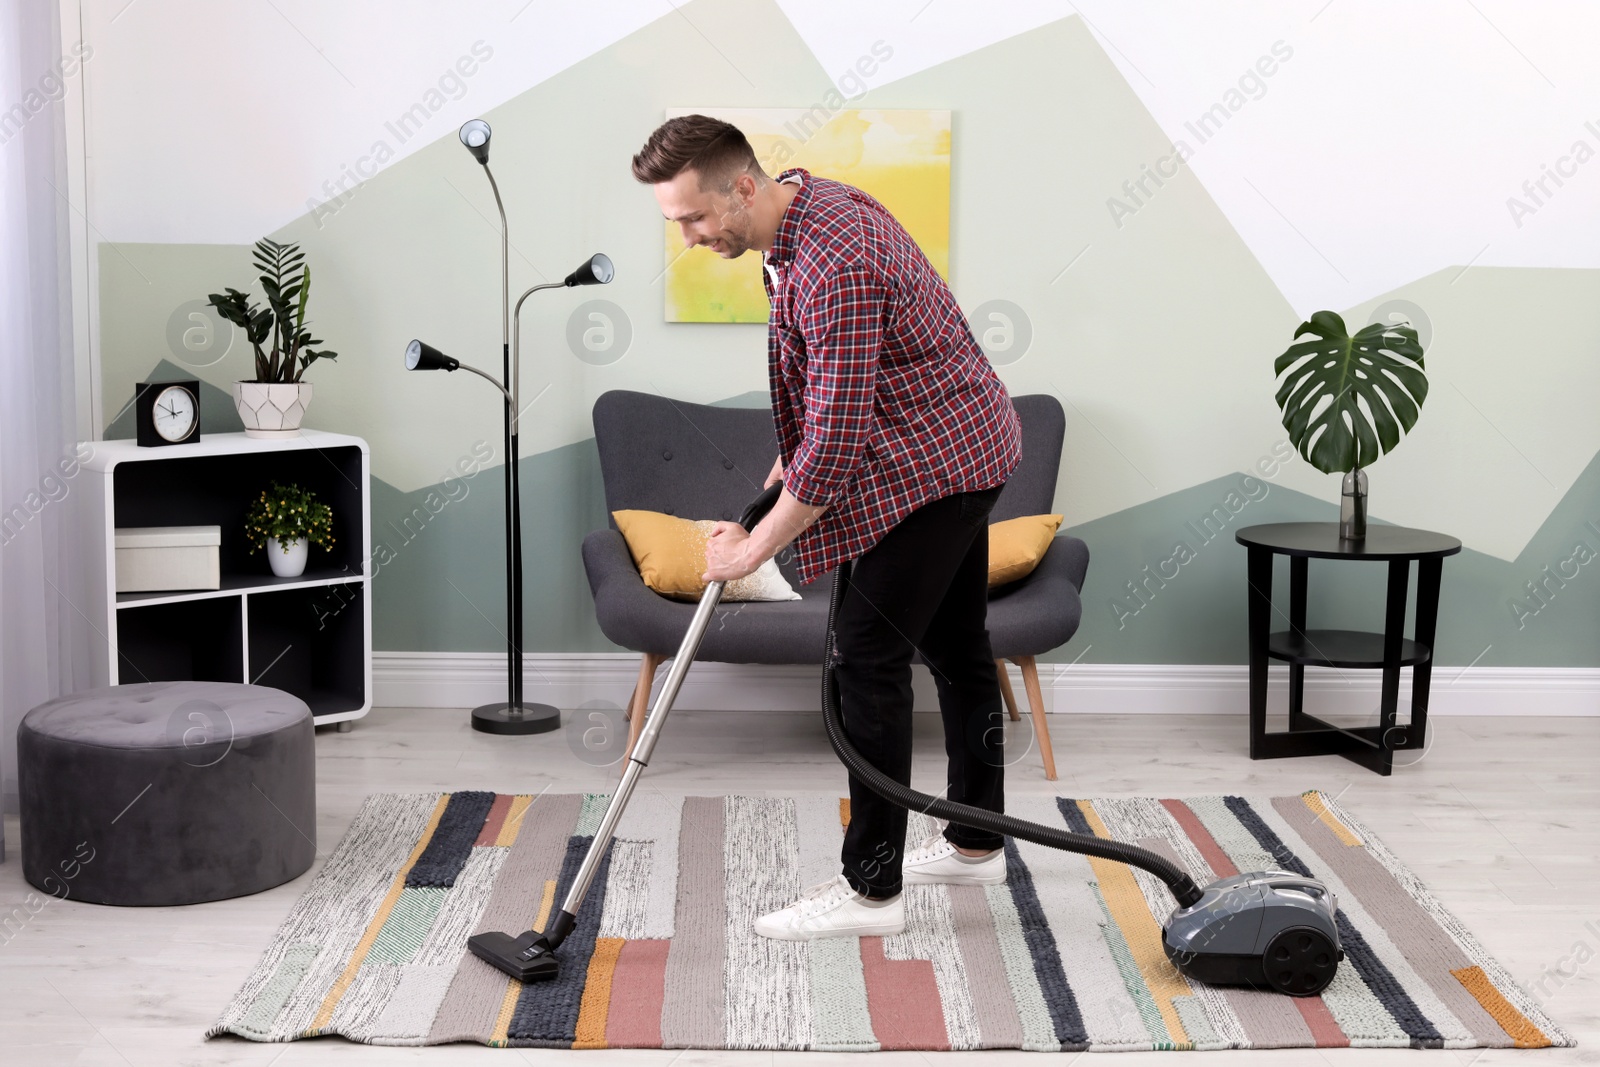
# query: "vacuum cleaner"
{"type": "Point", "coordinates": [1269, 929]}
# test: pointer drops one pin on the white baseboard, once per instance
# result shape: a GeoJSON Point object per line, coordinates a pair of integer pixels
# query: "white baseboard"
{"type": "Point", "coordinates": [568, 680]}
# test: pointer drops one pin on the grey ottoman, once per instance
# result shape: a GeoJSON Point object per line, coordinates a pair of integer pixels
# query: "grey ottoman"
{"type": "Point", "coordinates": [167, 792]}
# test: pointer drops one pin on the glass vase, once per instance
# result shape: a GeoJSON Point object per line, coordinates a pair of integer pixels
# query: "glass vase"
{"type": "Point", "coordinates": [1353, 506]}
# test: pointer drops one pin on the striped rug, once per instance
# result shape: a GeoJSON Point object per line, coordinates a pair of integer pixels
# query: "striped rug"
{"type": "Point", "coordinates": [1065, 956]}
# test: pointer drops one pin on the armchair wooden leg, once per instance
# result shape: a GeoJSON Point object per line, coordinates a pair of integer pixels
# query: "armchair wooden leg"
{"type": "Point", "coordinates": [639, 706]}
{"type": "Point", "coordinates": [1041, 729]}
{"type": "Point", "coordinates": [1005, 690]}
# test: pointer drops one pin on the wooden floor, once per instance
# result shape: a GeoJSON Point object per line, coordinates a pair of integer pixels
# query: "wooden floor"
{"type": "Point", "coordinates": [1497, 817]}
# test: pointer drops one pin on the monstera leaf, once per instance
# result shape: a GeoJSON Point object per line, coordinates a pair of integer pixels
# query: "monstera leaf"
{"type": "Point", "coordinates": [1324, 378]}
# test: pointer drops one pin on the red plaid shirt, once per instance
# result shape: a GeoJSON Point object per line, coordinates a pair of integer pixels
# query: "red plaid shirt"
{"type": "Point", "coordinates": [881, 397]}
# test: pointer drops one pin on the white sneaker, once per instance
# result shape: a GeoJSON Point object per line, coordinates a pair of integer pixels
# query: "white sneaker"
{"type": "Point", "coordinates": [833, 909]}
{"type": "Point", "coordinates": [936, 860]}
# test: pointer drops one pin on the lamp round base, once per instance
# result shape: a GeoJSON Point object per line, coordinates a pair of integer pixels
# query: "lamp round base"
{"type": "Point", "coordinates": [503, 718]}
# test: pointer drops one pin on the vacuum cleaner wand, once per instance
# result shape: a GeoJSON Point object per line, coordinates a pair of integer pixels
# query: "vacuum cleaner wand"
{"type": "Point", "coordinates": [530, 957]}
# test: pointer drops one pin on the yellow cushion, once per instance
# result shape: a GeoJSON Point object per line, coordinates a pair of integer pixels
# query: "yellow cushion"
{"type": "Point", "coordinates": [671, 556]}
{"type": "Point", "coordinates": [1017, 545]}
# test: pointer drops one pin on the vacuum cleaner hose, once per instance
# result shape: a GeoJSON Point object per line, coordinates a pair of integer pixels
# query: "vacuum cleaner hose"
{"type": "Point", "coordinates": [1177, 880]}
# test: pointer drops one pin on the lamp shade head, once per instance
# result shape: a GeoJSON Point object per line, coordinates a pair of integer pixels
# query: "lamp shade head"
{"type": "Point", "coordinates": [597, 270]}
{"type": "Point", "coordinates": [475, 135]}
{"type": "Point", "coordinates": [421, 356]}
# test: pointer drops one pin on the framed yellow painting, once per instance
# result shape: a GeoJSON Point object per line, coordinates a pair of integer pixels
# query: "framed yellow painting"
{"type": "Point", "coordinates": [900, 157]}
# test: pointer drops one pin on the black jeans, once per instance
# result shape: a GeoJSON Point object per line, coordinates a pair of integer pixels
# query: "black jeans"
{"type": "Point", "coordinates": [924, 588]}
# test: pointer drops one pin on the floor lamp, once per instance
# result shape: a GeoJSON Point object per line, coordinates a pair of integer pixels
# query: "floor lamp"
{"type": "Point", "coordinates": [514, 715]}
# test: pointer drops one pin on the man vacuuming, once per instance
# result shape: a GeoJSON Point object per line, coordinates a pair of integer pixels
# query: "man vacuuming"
{"type": "Point", "coordinates": [895, 436]}
{"type": "Point", "coordinates": [894, 439]}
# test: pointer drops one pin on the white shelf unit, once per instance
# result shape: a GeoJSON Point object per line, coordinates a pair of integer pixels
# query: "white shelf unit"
{"type": "Point", "coordinates": [310, 636]}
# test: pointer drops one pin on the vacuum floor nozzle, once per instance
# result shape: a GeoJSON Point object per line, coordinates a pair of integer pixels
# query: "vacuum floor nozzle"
{"type": "Point", "coordinates": [527, 958]}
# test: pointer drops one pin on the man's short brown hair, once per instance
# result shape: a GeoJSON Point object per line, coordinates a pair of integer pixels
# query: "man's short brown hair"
{"type": "Point", "coordinates": [714, 149]}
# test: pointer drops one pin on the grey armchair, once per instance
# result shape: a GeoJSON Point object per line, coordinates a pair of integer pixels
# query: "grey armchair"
{"type": "Point", "coordinates": [703, 462]}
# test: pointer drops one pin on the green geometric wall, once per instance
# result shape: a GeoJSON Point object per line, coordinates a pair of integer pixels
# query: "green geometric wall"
{"type": "Point", "coordinates": [1158, 336]}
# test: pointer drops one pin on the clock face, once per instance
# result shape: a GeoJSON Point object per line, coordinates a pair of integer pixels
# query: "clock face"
{"type": "Point", "coordinates": [175, 413]}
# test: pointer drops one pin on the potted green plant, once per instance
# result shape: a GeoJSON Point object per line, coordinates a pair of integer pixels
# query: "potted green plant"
{"type": "Point", "coordinates": [1346, 399]}
{"type": "Point", "coordinates": [285, 520]}
{"type": "Point", "coordinates": [273, 402]}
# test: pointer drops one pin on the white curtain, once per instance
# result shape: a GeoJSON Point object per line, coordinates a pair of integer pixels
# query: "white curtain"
{"type": "Point", "coordinates": [43, 638]}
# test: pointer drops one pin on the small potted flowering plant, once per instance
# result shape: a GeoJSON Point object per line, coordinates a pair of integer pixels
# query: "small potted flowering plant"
{"type": "Point", "coordinates": [286, 520]}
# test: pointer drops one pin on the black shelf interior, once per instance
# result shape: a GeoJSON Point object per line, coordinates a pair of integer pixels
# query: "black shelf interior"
{"type": "Point", "coordinates": [217, 490]}
{"type": "Point", "coordinates": [310, 642]}
{"type": "Point", "coordinates": [1355, 649]}
{"type": "Point", "coordinates": [197, 640]}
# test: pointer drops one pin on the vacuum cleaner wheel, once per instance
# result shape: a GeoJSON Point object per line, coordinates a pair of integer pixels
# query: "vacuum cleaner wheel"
{"type": "Point", "coordinates": [1300, 961]}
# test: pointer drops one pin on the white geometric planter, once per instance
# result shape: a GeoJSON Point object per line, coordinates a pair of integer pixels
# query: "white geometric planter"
{"type": "Point", "coordinates": [288, 562]}
{"type": "Point", "coordinates": [271, 409]}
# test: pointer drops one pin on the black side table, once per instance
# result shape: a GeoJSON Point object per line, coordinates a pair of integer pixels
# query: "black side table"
{"type": "Point", "coordinates": [1371, 746]}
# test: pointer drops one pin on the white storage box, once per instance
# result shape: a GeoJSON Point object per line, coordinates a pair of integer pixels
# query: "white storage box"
{"type": "Point", "coordinates": [165, 559]}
